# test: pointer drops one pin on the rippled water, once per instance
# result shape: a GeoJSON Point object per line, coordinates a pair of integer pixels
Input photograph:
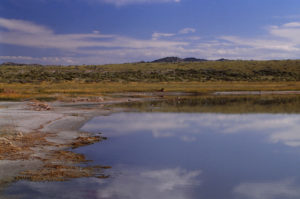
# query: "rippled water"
{"type": "Point", "coordinates": [186, 155]}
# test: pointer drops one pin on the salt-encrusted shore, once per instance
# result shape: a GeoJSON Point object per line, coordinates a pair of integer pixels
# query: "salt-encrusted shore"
{"type": "Point", "coordinates": [31, 138]}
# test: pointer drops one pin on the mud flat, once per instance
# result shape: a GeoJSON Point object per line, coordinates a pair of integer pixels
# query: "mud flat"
{"type": "Point", "coordinates": [36, 137]}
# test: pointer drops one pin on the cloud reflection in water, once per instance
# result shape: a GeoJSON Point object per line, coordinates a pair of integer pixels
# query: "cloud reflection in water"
{"type": "Point", "coordinates": [286, 189]}
{"type": "Point", "coordinates": [167, 183]}
{"type": "Point", "coordinates": [279, 128]}
{"type": "Point", "coordinates": [175, 183]}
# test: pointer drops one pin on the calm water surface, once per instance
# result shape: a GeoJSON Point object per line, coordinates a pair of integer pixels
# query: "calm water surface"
{"type": "Point", "coordinates": [186, 156]}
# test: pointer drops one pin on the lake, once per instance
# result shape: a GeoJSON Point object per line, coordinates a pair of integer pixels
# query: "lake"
{"type": "Point", "coordinates": [188, 149]}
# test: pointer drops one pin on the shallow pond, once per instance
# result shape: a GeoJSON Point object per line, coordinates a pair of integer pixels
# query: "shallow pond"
{"type": "Point", "coordinates": [180, 155]}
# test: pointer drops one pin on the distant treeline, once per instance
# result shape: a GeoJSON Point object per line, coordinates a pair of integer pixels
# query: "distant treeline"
{"type": "Point", "coordinates": [285, 70]}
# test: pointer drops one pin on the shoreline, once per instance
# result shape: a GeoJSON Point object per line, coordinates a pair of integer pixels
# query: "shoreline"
{"type": "Point", "coordinates": [35, 143]}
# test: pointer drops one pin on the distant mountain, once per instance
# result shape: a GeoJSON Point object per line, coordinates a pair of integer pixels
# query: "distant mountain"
{"type": "Point", "coordinates": [192, 59]}
{"type": "Point", "coordinates": [177, 59]}
{"type": "Point", "coordinates": [168, 60]}
{"type": "Point", "coordinates": [11, 64]}
{"type": "Point", "coordinates": [222, 59]}
{"type": "Point", "coordinates": [17, 64]}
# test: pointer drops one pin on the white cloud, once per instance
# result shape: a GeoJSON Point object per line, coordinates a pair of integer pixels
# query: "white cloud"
{"type": "Point", "coordinates": [261, 43]}
{"type": "Point", "coordinates": [280, 42]}
{"type": "Point", "coordinates": [157, 35]}
{"type": "Point", "coordinates": [96, 32]}
{"type": "Point", "coordinates": [187, 31]}
{"type": "Point", "coordinates": [23, 33]}
{"type": "Point", "coordinates": [288, 32]}
{"type": "Point", "coordinates": [76, 41]}
{"type": "Point", "coordinates": [23, 26]}
{"type": "Point", "coordinates": [194, 38]}
{"type": "Point", "coordinates": [292, 25]}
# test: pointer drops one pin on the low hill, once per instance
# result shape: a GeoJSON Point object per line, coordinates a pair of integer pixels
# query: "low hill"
{"type": "Point", "coordinates": [177, 59]}
{"type": "Point", "coordinates": [168, 60]}
{"type": "Point", "coordinates": [192, 59]}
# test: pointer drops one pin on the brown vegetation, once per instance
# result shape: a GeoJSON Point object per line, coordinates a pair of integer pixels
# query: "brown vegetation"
{"type": "Point", "coordinates": [16, 146]}
{"type": "Point", "coordinates": [39, 106]}
{"type": "Point", "coordinates": [57, 164]}
{"type": "Point", "coordinates": [54, 172]}
{"type": "Point", "coordinates": [83, 141]}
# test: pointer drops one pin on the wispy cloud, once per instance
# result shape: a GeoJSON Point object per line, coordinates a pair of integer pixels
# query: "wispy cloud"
{"type": "Point", "coordinates": [28, 34]}
{"type": "Point", "coordinates": [279, 42]}
{"type": "Point", "coordinates": [283, 39]}
{"type": "Point", "coordinates": [157, 35]}
{"type": "Point", "coordinates": [24, 33]}
{"type": "Point", "coordinates": [23, 26]}
{"type": "Point", "coordinates": [187, 30]}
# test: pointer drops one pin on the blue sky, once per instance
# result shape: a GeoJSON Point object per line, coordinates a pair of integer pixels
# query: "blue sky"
{"type": "Point", "coordinates": [116, 31]}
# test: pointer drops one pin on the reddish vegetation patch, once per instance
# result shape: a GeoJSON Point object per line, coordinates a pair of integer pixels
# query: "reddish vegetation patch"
{"type": "Point", "coordinates": [18, 146]}
{"type": "Point", "coordinates": [39, 106]}
{"type": "Point", "coordinates": [52, 172]}
{"type": "Point", "coordinates": [83, 141]}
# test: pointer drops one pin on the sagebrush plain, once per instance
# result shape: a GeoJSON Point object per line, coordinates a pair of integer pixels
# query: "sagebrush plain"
{"type": "Point", "coordinates": [18, 82]}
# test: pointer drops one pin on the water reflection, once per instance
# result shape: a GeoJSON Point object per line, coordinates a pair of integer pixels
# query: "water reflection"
{"type": "Point", "coordinates": [287, 189]}
{"type": "Point", "coordinates": [167, 183]}
{"type": "Point", "coordinates": [282, 128]}
{"type": "Point", "coordinates": [220, 104]}
{"type": "Point", "coordinates": [75, 189]}
{"type": "Point", "coordinates": [175, 183]}
{"type": "Point", "coordinates": [186, 156]}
